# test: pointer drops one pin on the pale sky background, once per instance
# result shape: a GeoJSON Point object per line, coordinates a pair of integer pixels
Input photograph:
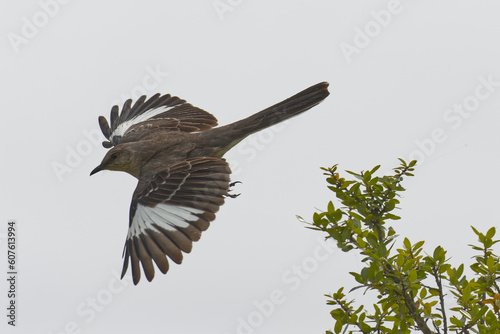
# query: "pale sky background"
{"type": "Point", "coordinates": [395, 92]}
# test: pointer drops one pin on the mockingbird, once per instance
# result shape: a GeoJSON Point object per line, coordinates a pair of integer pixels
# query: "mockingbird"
{"type": "Point", "coordinates": [175, 152]}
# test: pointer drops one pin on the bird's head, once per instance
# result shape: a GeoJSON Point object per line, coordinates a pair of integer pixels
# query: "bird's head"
{"type": "Point", "coordinates": [120, 158]}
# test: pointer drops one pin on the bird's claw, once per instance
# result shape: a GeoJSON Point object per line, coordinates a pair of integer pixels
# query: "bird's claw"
{"type": "Point", "coordinates": [232, 184]}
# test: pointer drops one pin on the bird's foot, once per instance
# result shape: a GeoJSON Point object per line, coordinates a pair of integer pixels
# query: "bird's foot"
{"type": "Point", "coordinates": [231, 185]}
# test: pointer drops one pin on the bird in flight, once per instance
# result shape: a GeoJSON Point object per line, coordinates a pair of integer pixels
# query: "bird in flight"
{"type": "Point", "coordinates": [175, 151]}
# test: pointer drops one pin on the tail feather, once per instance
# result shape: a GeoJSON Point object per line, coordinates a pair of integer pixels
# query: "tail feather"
{"type": "Point", "coordinates": [217, 141]}
{"type": "Point", "coordinates": [283, 110]}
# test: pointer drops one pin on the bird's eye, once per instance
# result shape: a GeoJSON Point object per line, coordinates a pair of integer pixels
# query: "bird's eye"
{"type": "Point", "coordinates": [114, 156]}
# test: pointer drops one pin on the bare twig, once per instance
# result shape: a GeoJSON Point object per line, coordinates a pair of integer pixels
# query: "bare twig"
{"type": "Point", "coordinates": [435, 273]}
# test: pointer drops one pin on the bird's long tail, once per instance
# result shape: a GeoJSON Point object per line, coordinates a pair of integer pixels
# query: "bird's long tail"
{"type": "Point", "coordinates": [300, 102]}
{"type": "Point", "coordinates": [283, 110]}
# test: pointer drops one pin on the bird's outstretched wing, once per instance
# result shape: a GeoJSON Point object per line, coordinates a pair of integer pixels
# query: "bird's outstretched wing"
{"type": "Point", "coordinates": [159, 112]}
{"type": "Point", "coordinates": [169, 212]}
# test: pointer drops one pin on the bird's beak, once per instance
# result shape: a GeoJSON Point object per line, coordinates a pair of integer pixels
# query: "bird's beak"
{"type": "Point", "coordinates": [97, 169]}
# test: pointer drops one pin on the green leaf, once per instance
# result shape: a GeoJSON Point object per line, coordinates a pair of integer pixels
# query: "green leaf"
{"type": "Point", "coordinates": [337, 314]}
{"type": "Point", "coordinates": [418, 245]}
{"type": "Point", "coordinates": [407, 243]}
{"type": "Point", "coordinates": [491, 233]}
{"type": "Point", "coordinates": [356, 216]}
{"type": "Point", "coordinates": [364, 274]}
{"type": "Point", "coordinates": [482, 312]}
{"type": "Point", "coordinates": [456, 322]}
{"type": "Point", "coordinates": [338, 326]}
{"type": "Point", "coordinates": [339, 294]}
{"type": "Point", "coordinates": [365, 327]}
{"type": "Point", "coordinates": [400, 260]}
{"type": "Point", "coordinates": [427, 309]}
{"type": "Point", "coordinates": [444, 267]}
{"type": "Point", "coordinates": [357, 277]}
{"type": "Point", "coordinates": [391, 204]}
{"type": "Point", "coordinates": [331, 207]}
{"type": "Point", "coordinates": [466, 293]}
{"type": "Point", "coordinates": [382, 250]}
{"type": "Point", "coordinates": [460, 271]}
{"type": "Point", "coordinates": [391, 216]}
{"type": "Point", "coordinates": [434, 292]}
{"type": "Point", "coordinates": [347, 248]}
{"type": "Point", "coordinates": [490, 263]}
{"type": "Point", "coordinates": [374, 169]}
{"type": "Point", "coordinates": [412, 276]}
{"type": "Point", "coordinates": [475, 231]}
{"type": "Point", "coordinates": [356, 175]}
{"type": "Point", "coordinates": [355, 188]}
{"type": "Point", "coordinates": [361, 242]}
{"type": "Point", "coordinates": [437, 252]}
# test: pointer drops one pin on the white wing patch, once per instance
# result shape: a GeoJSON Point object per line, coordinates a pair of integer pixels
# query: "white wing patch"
{"type": "Point", "coordinates": [164, 215]}
{"type": "Point", "coordinates": [123, 127]}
